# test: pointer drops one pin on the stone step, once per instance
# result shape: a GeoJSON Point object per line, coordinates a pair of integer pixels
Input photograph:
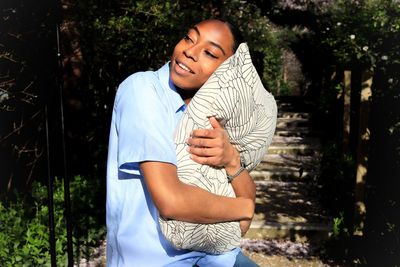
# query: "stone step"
{"type": "Point", "coordinates": [286, 167]}
{"type": "Point", "coordinates": [296, 104]}
{"type": "Point", "coordinates": [291, 140]}
{"type": "Point", "coordinates": [294, 149]}
{"type": "Point", "coordinates": [297, 232]}
{"type": "Point", "coordinates": [300, 171]}
{"type": "Point", "coordinates": [265, 175]}
{"type": "Point", "coordinates": [293, 115]}
{"type": "Point", "coordinates": [287, 210]}
{"type": "Point", "coordinates": [281, 168]}
{"type": "Point", "coordinates": [290, 160]}
{"type": "Point", "coordinates": [284, 175]}
{"type": "Point", "coordinates": [293, 122]}
{"type": "Point", "coordinates": [289, 107]}
{"type": "Point", "coordinates": [297, 132]}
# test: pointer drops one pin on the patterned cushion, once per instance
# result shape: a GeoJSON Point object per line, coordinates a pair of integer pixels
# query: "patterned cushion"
{"type": "Point", "coordinates": [235, 95]}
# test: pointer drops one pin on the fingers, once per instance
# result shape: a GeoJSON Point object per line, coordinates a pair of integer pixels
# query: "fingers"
{"type": "Point", "coordinates": [205, 133]}
{"type": "Point", "coordinates": [214, 123]}
{"type": "Point", "coordinates": [245, 226]}
{"type": "Point", "coordinates": [219, 133]}
{"type": "Point", "coordinates": [203, 142]}
{"type": "Point", "coordinates": [210, 161]}
{"type": "Point", "coordinates": [206, 151]}
{"type": "Point", "coordinates": [210, 146]}
{"type": "Point", "coordinates": [203, 151]}
{"type": "Point", "coordinates": [216, 132]}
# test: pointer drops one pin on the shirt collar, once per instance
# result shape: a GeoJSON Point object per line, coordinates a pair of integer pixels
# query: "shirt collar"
{"type": "Point", "coordinates": [169, 87]}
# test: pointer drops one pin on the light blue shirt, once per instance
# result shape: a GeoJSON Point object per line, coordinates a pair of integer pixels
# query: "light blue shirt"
{"type": "Point", "coordinates": [146, 111]}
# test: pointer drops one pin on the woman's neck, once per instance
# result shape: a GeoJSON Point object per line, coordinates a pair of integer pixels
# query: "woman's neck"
{"type": "Point", "coordinates": [186, 95]}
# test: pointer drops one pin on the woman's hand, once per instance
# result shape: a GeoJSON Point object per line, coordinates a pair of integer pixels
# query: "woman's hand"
{"type": "Point", "coordinates": [244, 226]}
{"type": "Point", "coordinates": [212, 147]}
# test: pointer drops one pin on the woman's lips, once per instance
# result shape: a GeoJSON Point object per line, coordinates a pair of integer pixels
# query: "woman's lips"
{"type": "Point", "coordinates": [182, 68]}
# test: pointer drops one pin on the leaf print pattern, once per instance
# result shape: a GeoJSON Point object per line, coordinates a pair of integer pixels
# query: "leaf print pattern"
{"type": "Point", "coordinates": [235, 95]}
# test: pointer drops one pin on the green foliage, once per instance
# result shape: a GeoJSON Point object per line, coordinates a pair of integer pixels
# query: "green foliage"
{"type": "Point", "coordinates": [336, 181]}
{"type": "Point", "coordinates": [132, 36]}
{"type": "Point", "coordinates": [262, 37]}
{"type": "Point", "coordinates": [140, 35]}
{"type": "Point", "coordinates": [24, 229]}
{"type": "Point", "coordinates": [285, 89]}
{"type": "Point", "coordinates": [336, 192]}
{"type": "Point", "coordinates": [365, 32]}
{"type": "Point", "coordinates": [338, 227]}
{"type": "Point", "coordinates": [328, 99]}
{"type": "Point", "coordinates": [24, 235]}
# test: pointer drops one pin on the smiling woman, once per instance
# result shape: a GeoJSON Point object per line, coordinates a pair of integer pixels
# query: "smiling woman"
{"type": "Point", "coordinates": [199, 53]}
{"type": "Point", "coordinates": [142, 176]}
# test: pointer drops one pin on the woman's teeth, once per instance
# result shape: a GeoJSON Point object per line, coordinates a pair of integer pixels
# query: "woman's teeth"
{"type": "Point", "coordinates": [184, 67]}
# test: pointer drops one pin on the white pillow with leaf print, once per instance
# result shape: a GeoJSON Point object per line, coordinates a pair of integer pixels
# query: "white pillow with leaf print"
{"type": "Point", "coordinates": [235, 95]}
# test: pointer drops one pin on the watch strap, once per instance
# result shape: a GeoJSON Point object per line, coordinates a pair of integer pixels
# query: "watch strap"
{"type": "Point", "coordinates": [231, 177]}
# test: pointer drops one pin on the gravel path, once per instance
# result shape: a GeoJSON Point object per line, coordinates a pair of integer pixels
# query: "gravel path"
{"type": "Point", "coordinates": [281, 253]}
{"type": "Point", "coordinates": [266, 253]}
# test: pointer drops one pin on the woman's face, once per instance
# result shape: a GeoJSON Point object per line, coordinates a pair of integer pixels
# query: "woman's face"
{"type": "Point", "coordinates": [199, 54]}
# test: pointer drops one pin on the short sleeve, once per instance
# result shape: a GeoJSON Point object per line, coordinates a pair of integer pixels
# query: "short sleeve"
{"type": "Point", "coordinates": [143, 123]}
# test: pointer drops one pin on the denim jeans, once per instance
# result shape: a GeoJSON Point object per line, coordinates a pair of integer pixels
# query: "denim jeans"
{"type": "Point", "coordinates": [244, 261]}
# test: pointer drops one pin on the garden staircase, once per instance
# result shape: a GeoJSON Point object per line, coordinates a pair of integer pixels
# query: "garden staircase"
{"type": "Point", "coordinates": [286, 205]}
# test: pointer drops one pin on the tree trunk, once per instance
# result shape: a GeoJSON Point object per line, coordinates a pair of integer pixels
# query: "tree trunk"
{"type": "Point", "coordinates": [346, 110]}
{"type": "Point", "coordinates": [362, 153]}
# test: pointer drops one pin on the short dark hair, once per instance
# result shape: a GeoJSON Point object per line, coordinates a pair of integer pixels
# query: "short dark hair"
{"type": "Point", "coordinates": [237, 35]}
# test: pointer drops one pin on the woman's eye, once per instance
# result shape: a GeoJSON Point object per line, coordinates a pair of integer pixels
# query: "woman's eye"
{"type": "Point", "coordinates": [187, 38]}
{"type": "Point", "coordinates": [210, 54]}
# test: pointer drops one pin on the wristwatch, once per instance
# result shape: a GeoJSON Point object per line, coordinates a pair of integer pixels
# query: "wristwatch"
{"type": "Point", "coordinates": [233, 176]}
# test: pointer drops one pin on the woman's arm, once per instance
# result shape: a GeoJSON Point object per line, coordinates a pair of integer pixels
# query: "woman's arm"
{"type": "Point", "coordinates": [212, 147]}
{"type": "Point", "coordinates": [243, 185]}
{"type": "Point", "coordinates": [179, 201]}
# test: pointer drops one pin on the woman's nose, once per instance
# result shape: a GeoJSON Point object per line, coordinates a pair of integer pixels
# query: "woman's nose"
{"type": "Point", "coordinates": [191, 52]}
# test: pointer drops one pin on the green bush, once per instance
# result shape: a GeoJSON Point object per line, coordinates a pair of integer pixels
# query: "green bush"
{"type": "Point", "coordinates": [336, 181]}
{"type": "Point", "coordinates": [24, 227]}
